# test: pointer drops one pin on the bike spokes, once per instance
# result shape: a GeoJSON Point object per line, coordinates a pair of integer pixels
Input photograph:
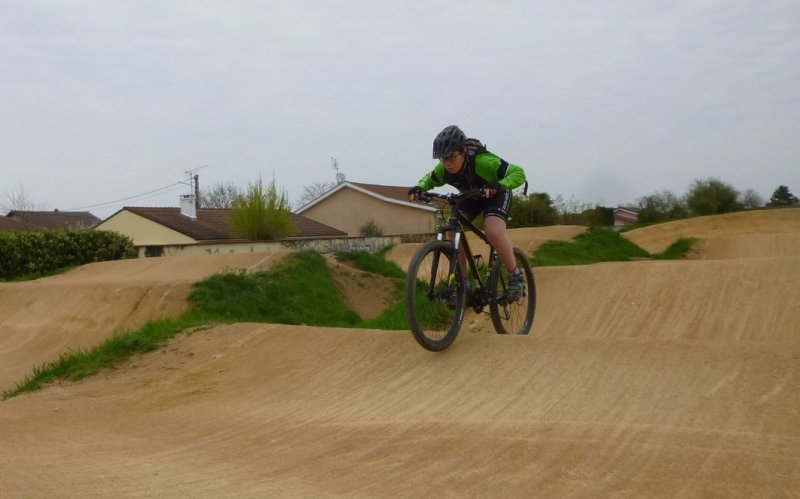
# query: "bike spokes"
{"type": "Point", "coordinates": [512, 316]}
{"type": "Point", "coordinates": [434, 297]}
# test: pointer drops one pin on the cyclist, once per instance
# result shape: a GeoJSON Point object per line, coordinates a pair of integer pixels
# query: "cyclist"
{"type": "Point", "coordinates": [466, 164]}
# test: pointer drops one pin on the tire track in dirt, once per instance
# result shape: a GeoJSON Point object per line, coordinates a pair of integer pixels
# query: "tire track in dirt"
{"type": "Point", "coordinates": [639, 379]}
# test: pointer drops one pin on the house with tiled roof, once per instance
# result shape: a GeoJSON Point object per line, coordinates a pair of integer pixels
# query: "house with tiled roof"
{"type": "Point", "coordinates": [350, 206]}
{"type": "Point", "coordinates": [33, 220]}
{"type": "Point", "coordinates": [189, 231]}
{"type": "Point", "coordinates": [11, 224]}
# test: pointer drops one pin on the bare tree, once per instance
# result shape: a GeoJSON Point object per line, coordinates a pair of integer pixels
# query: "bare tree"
{"type": "Point", "coordinates": [317, 189]}
{"type": "Point", "coordinates": [752, 199]}
{"type": "Point", "coordinates": [15, 198]}
{"type": "Point", "coordinates": [219, 195]}
{"type": "Point", "coordinates": [570, 210]}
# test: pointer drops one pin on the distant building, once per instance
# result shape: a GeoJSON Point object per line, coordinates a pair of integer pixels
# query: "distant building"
{"type": "Point", "coordinates": [188, 230]}
{"type": "Point", "coordinates": [349, 206]}
{"type": "Point", "coordinates": [20, 220]}
{"type": "Point", "coordinates": [625, 216]}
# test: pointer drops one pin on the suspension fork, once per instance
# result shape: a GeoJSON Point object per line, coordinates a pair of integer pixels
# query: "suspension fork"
{"type": "Point", "coordinates": [454, 263]}
{"type": "Point", "coordinates": [451, 275]}
{"type": "Point", "coordinates": [492, 257]}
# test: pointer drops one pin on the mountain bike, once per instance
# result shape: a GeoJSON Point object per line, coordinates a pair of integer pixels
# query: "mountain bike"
{"type": "Point", "coordinates": [438, 290]}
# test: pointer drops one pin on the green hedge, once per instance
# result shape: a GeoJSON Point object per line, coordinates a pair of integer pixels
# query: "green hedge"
{"type": "Point", "coordinates": [42, 252]}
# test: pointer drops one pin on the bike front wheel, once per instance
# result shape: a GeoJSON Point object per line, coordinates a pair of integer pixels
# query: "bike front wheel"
{"type": "Point", "coordinates": [434, 296]}
{"type": "Point", "coordinates": [512, 316]}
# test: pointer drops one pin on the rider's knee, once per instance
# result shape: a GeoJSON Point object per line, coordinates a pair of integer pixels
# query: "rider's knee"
{"type": "Point", "coordinates": [495, 231]}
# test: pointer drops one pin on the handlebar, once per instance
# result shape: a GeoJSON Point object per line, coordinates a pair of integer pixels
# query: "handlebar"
{"type": "Point", "coordinates": [451, 199]}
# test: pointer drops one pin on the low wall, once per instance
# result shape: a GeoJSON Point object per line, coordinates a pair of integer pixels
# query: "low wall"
{"type": "Point", "coordinates": [371, 244]}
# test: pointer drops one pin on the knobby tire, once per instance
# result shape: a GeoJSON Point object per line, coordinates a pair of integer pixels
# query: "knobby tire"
{"type": "Point", "coordinates": [434, 303]}
{"type": "Point", "coordinates": [512, 317]}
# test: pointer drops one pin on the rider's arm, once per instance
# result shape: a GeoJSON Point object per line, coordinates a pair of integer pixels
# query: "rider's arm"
{"type": "Point", "coordinates": [494, 169]}
{"type": "Point", "coordinates": [433, 179]}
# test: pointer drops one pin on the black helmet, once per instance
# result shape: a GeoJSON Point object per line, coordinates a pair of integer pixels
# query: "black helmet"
{"type": "Point", "coordinates": [449, 140]}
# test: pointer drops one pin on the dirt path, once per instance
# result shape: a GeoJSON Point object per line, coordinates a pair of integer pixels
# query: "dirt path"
{"type": "Point", "coordinates": [41, 319]}
{"type": "Point", "coordinates": [369, 295]}
{"type": "Point", "coordinates": [641, 379]}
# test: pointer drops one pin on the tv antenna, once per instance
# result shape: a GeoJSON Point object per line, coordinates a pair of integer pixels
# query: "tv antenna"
{"type": "Point", "coordinates": [194, 184]}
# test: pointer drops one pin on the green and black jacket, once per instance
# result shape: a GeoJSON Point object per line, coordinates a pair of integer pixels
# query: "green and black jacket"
{"type": "Point", "coordinates": [481, 168]}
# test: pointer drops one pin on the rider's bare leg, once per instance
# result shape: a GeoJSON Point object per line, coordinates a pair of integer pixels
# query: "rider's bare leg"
{"type": "Point", "coordinates": [495, 228]}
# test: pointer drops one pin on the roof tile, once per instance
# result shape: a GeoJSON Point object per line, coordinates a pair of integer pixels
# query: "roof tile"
{"type": "Point", "coordinates": [55, 219]}
{"type": "Point", "coordinates": [212, 224]}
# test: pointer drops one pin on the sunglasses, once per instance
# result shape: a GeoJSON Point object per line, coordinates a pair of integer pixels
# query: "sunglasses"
{"type": "Point", "coordinates": [450, 157]}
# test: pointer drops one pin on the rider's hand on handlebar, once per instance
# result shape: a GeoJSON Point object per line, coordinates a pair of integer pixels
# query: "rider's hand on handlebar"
{"type": "Point", "coordinates": [414, 193]}
{"type": "Point", "coordinates": [491, 189]}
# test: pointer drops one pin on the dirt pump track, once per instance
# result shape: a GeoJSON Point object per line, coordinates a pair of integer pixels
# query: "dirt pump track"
{"type": "Point", "coordinates": [639, 379]}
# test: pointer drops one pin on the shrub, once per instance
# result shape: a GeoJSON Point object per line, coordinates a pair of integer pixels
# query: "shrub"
{"type": "Point", "coordinates": [262, 213]}
{"type": "Point", "coordinates": [370, 229]}
{"type": "Point", "coordinates": [535, 210]}
{"type": "Point", "coordinates": [42, 252]}
{"type": "Point", "coordinates": [596, 245]}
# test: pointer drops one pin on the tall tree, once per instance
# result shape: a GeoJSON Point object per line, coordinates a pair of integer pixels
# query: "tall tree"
{"type": "Point", "coordinates": [783, 197]}
{"type": "Point", "coordinates": [711, 197]}
{"type": "Point", "coordinates": [219, 195]}
{"type": "Point", "coordinates": [533, 210]}
{"type": "Point", "coordinates": [661, 206]}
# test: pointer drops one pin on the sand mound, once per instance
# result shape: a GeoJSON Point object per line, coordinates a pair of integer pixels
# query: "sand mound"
{"type": "Point", "coordinates": [369, 295]}
{"type": "Point", "coordinates": [760, 232]}
{"type": "Point", "coordinates": [41, 319]}
{"type": "Point", "coordinates": [639, 379]}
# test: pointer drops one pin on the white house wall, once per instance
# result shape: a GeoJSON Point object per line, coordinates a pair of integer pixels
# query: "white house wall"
{"type": "Point", "coordinates": [348, 210]}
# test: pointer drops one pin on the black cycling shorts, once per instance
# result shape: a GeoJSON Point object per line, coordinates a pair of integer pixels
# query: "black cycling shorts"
{"type": "Point", "coordinates": [496, 206]}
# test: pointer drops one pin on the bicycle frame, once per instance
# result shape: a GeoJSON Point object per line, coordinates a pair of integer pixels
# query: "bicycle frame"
{"type": "Point", "coordinates": [456, 223]}
{"type": "Point", "coordinates": [436, 318]}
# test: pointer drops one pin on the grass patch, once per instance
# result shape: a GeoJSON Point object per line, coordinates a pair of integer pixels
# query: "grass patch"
{"type": "Point", "coordinates": [595, 245]}
{"type": "Point", "coordinates": [677, 250]}
{"type": "Point", "coordinates": [603, 245]}
{"type": "Point", "coordinates": [372, 262]}
{"type": "Point", "coordinates": [393, 318]}
{"type": "Point", "coordinates": [300, 291]}
{"type": "Point", "coordinates": [78, 364]}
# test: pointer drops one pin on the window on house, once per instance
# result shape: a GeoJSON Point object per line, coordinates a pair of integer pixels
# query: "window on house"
{"type": "Point", "coordinates": [154, 251]}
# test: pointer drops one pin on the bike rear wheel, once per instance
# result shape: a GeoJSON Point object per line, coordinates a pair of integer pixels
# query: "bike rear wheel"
{"type": "Point", "coordinates": [434, 298]}
{"type": "Point", "coordinates": [512, 317]}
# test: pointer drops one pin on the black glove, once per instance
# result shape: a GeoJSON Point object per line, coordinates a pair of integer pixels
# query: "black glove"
{"type": "Point", "coordinates": [415, 191]}
{"type": "Point", "coordinates": [492, 185]}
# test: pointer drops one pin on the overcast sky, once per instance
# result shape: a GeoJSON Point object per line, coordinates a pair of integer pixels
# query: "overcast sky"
{"type": "Point", "coordinates": [605, 101]}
